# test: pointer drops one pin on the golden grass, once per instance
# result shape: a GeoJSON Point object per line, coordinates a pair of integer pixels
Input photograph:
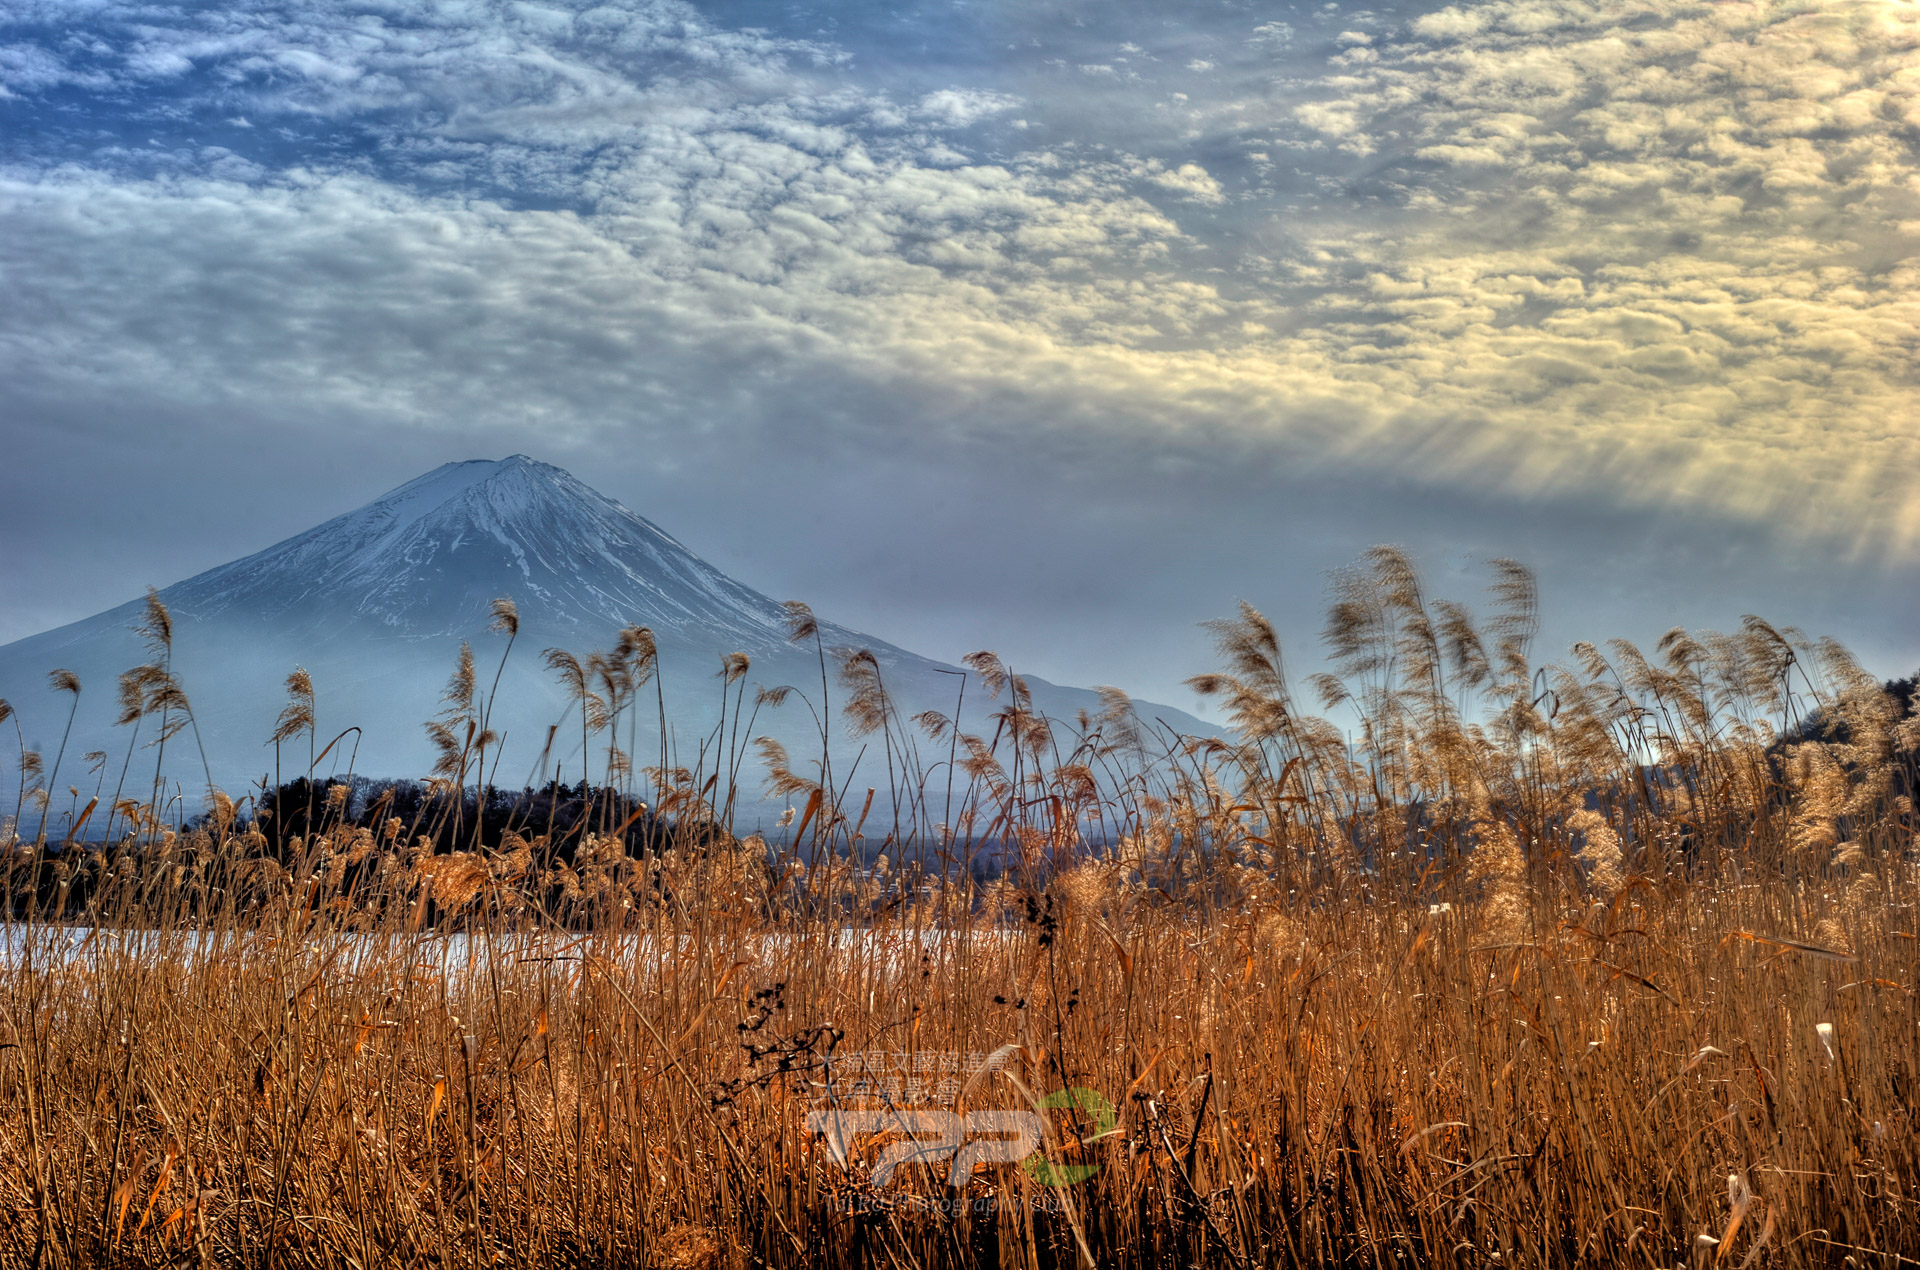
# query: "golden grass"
{"type": "Point", "coordinates": [1563, 968]}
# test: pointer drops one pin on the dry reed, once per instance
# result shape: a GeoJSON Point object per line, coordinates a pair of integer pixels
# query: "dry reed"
{"type": "Point", "coordinates": [1601, 964]}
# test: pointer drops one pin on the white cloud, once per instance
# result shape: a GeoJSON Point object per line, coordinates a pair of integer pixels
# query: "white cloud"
{"type": "Point", "coordinates": [29, 68]}
{"type": "Point", "coordinates": [1451, 23]}
{"type": "Point", "coordinates": [957, 108]}
{"type": "Point", "coordinates": [1190, 181]}
{"type": "Point", "coordinates": [1662, 250]}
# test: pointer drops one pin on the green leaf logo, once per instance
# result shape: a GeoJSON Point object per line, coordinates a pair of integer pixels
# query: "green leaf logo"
{"type": "Point", "coordinates": [1088, 1101]}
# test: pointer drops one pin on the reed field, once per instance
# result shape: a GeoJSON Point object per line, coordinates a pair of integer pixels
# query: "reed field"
{"type": "Point", "coordinates": [1453, 955]}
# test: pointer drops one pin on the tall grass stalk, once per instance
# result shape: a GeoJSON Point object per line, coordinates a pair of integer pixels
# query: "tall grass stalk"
{"type": "Point", "coordinates": [1608, 962]}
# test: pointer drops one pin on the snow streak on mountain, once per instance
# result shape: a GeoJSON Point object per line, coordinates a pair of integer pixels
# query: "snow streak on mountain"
{"type": "Point", "coordinates": [375, 604]}
{"type": "Point", "coordinates": [426, 559]}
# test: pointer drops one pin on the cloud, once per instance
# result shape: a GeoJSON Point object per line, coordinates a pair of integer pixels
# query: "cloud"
{"type": "Point", "coordinates": [1272, 35]}
{"type": "Point", "coordinates": [1670, 242]}
{"type": "Point", "coordinates": [1189, 180]}
{"type": "Point", "coordinates": [957, 108]}
{"type": "Point", "coordinates": [1451, 23]}
{"type": "Point", "coordinates": [1656, 252]}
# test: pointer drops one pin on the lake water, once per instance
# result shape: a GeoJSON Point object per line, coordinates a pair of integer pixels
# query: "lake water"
{"type": "Point", "coordinates": [453, 955]}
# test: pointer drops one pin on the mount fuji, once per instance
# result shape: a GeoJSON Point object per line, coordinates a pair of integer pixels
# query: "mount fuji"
{"type": "Point", "coordinates": [375, 604]}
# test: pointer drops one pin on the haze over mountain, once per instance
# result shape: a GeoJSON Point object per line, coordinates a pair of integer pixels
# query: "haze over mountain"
{"type": "Point", "coordinates": [375, 603]}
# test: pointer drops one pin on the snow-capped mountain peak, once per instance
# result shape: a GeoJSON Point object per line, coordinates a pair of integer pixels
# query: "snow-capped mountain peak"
{"type": "Point", "coordinates": [375, 603]}
{"type": "Point", "coordinates": [426, 558]}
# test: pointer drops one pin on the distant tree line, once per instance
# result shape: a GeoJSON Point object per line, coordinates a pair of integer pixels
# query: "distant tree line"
{"type": "Point", "coordinates": [469, 819]}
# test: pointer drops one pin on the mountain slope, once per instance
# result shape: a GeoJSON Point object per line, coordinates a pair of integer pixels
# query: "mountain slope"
{"type": "Point", "coordinates": [375, 603]}
{"type": "Point", "coordinates": [426, 560]}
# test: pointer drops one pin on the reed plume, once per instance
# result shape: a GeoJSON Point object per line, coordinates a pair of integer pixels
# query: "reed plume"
{"type": "Point", "coordinates": [68, 682]}
{"type": "Point", "coordinates": [296, 717]}
{"type": "Point", "coordinates": [504, 619]}
{"type": "Point", "coordinates": [575, 683]}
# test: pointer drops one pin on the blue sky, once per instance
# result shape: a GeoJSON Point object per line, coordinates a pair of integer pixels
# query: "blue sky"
{"type": "Point", "coordinates": [1051, 327]}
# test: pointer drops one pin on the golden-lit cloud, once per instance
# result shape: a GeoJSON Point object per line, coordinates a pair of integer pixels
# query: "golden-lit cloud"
{"type": "Point", "coordinates": [1668, 245]}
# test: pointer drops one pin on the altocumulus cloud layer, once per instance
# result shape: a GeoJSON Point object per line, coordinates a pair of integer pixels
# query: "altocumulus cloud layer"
{"type": "Point", "coordinates": [1681, 236]}
{"type": "Point", "coordinates": [1637, 254]}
